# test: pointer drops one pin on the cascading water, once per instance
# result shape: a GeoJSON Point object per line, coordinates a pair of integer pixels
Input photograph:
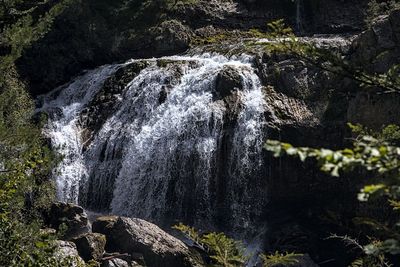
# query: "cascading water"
{"type": "Point", "coordinates": [299, 16]}
{"type": "Point", "coordinates": [168, 150]}
{"type": "Point", "coordinates": [63, 106]}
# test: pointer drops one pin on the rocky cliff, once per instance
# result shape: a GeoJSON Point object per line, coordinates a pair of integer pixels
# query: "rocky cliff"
{"type": "Point", "coordinates": [300, 104]}
{"type": "Point", "coordinates": [92, 33]}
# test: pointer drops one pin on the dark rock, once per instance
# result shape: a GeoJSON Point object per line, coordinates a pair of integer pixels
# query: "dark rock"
{"type": "Point", "coordinates": [172, 36]}
{"type": "Point", "coordinates": [90, 33]}
{"type": "Point", "coordinates": [70, 215]}
{"type": "Point", "coordinates": [305, 261]}
{"type": "Point", "coordinates": [163, 95]}
{"type": "Point", "coordinates": [104, 225]}
{"type": "Point", "coordinates": [373, 110]}
{"type": "Point", "coordinates": [228, 80]}
{"type": "Point", "coordinates": [332, 16]}
{"type": "Point", "coordinates": [90, 246]}
{"type": "Point", "coordinates": [378, 48]}
{"type": "Point", "coordinates": [138, 236]}
{"type": "Point", "coordinates": [103, 103]}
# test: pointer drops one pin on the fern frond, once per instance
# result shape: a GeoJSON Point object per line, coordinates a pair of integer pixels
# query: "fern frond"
{"type": "Point", "coordinates": [280, 259]}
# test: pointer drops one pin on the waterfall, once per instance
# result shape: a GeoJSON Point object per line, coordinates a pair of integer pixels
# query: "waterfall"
{"type": "Point", "coordinates": [167, 151]}
{"type": "Point", "coordinates": [63, 106]}
{"type": "Point", "coordinates": [299, 16]}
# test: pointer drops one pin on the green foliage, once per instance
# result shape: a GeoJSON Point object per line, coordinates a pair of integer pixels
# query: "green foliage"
{"type": "Point", "coordinates": [24, 245]}
{"type": "Point", "coordinates": [284, 41]}
{"type": "Point", "coordinates": [20, 28]}
{"type": "Point", "coordinates": [368, 153]}
{"type": "Point", "coordinates": [368, 261]}
{"type": "Point", "coordinates": [375, 156]}
{"type": "Point", "coordinates": [25, 160]}
{"type": "Point", "coordinates": [377, 153]}
{"type": "Point", "coordinates": [224, 251]}
{"type": "Point", "coordinates": [24, 186]}
{"type": "Point", "coordinates": [280, 259]}
{"type": "Point", "coordinates": [190, 232]}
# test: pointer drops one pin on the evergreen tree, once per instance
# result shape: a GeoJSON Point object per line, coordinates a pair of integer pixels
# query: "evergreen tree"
{"type": "Point", "coordinates": [25, 160]}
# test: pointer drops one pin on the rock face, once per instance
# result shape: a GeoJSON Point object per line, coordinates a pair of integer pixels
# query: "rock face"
{"type": "Point", "coordinates": [90, 246]}
{"type": "Point", "coordinates": [379, 47]}
{"type": "Point", "coordinates": [334, 16]}
{"type": "Point", "coordinates": [172, 35]}
{"type": "Point", "coordinates": [73, 216]}
{"type": "Point", "coordinates": [92, 33]}
{"type": "Point", "coordinates": [228, 80]}
{"type": "Point", "coordinates": [138, 236]}
{"type": "Point", "coordinates": [103, 104]}
{"type": "Point", "coordinates": [305, 106]}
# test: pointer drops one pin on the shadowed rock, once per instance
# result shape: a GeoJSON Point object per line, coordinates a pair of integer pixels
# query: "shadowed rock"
{"type": "Point", "coordinates": [228, 80]}
{"type": "Point", "coordinates": [90, 246]}
{"type": "Point", "coordinates": [138, 236]}
{"type": "Point", "coordinates": [72, 216]}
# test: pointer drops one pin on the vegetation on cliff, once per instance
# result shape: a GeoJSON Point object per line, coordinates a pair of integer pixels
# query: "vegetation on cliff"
{"type": "Point", "coordinates": [25, 159]}
{"type": "Point", "coordinates": [373, 154]}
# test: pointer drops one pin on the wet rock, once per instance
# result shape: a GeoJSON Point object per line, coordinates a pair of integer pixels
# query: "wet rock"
{"type": "Point", "coordinates": [67, 251]}
{"type": "Point", "coordinates": [104, 224]}
{"type": "Point", "coordinates": [103, 104]}
{"type": "Point", "coordinates": [138, 236]}
{"type": "Point", "coordinates": [72, 216]}
{"type": "Point", "coordinates": [228, 80]}
{"type": "Point", "coordinates": [90, 246]}
{"type": "Point", "coordinates": [163, 95]}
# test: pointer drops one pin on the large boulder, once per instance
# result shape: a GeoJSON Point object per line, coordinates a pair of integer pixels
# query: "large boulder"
{"type": "Point", "coordinates": [90, 246]}
{"type": "Point", "coordinates": [104, 225]}
{"type": "Point", "coordinates": [228, 80]}
{"type": "Point", "coordinates": [68, 215]}
{"type": "Point", "coordinates": [66, 252]}
{"type": "Point", "coordinates": [158, 248]}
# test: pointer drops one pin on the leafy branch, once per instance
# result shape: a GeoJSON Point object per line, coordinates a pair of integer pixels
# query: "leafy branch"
{"type": "Point", "coordinates": [283, 40]}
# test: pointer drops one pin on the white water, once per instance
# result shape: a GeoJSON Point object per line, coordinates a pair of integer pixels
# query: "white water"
{"type": "Point", "coordinates": [299, 16]}
{"type": "Point", "coordinates": [163, 160]}
{"type": "Point", "coordinates": [64, 132]}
